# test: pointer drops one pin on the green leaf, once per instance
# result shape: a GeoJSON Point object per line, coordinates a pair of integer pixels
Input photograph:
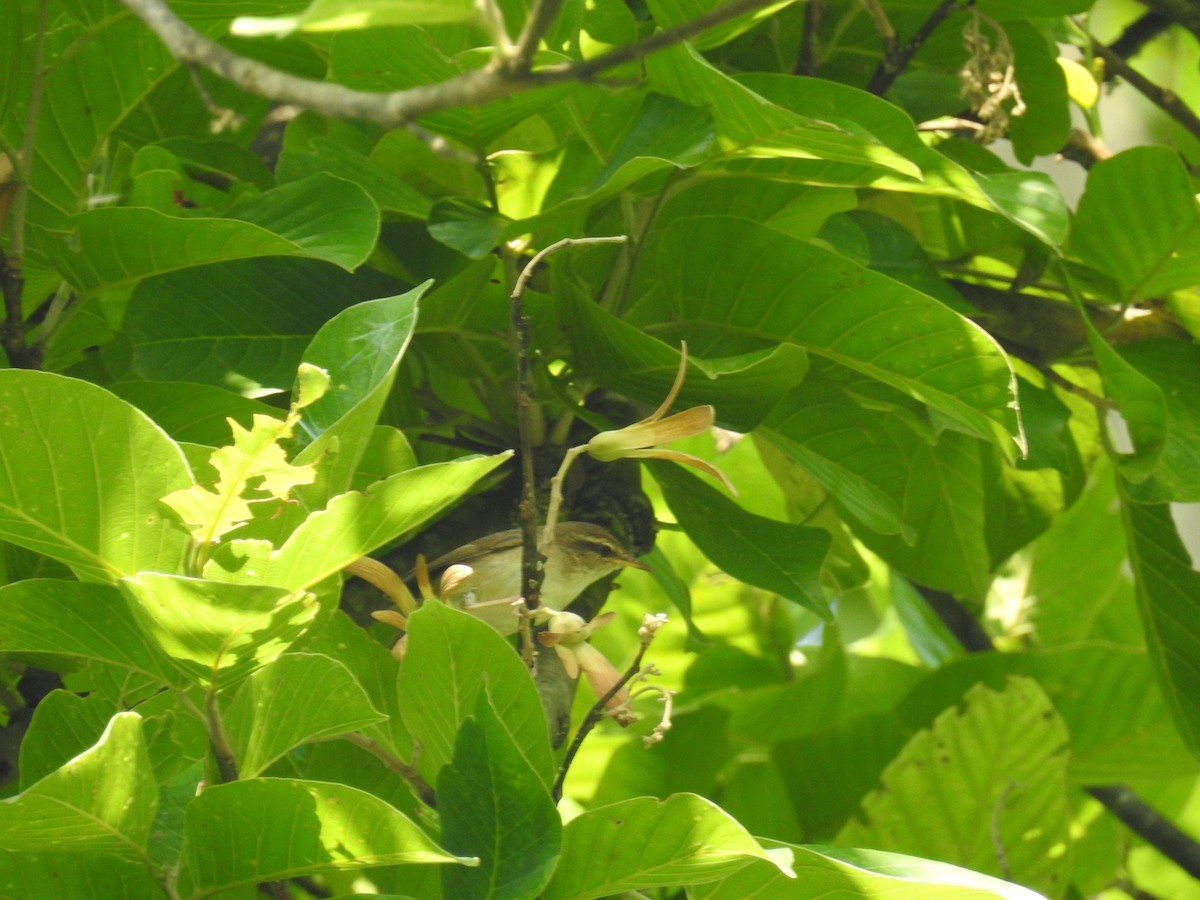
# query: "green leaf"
{"type": "Point", "coordinates": [467, 226]}
{"type": "Point", "coordinates": [375, 671]}
{"type": "Point", "coordinates": [664, 131]}
{"type": "Point", "coordinates": [731, 286]}
{"type": "Point", "coordinates": [37, 873]}
{"type": "Point", "coordinates": [390, 192]}
{"type": "Point", "coordinates": [742, 388]}
{"type": "Point", "coordinates": [63, 726]}
{"type": "Point", "coordinates": [189, 412]}
{"type": "Point", "coordinates": [996, 773]}
{"type": "Point", "coordinates": [670, 13]}
{"type": "Point", "coordinates": [240, 325]}
{"type": "Point", "coordinates": [78, 621]}
{"type": "Point", "coordinates": [95, 76]}
{"type": "Point", "coordinates": [361, 348]}
{"type": "Point", "coordinates": [73, 453]}
{"type": "Point", "coordinates": [268, 829]}
{"type": "Point", "coordinates": [347, 15]}
{"type": "Point", "coordinates": [1142, 406]}
{"type": "Point", "coordinates": [1139, 222]}
{"type": "Point", "coordinates": [1174, 366]}
{"type": "Point", "coordinates": [841, 871]}
{"type": "Point", "coordinates": [451, 657]}
{"type": "Point", "coordinates": [1027, 199]}
{"type": "Point", "coordinates": [298, 698]}
{"type": "Point", "coordinates": [750, 126]}
{"type": "Point", "coordinates": [643, 843]}
{"type": "Point", "coordinates": [493, 806]}
{"type": "Point", "coordinates": [255, 455]}
{"type": "Point", "coordinates": [1045, 125]}
{"type": "Point", "coordinates": [217, 631]}
{"type": "Point", "coordinates": [320, 217]}
{"type": "Point", "coordinates": [776, 556]}
{"type": "Point", "coordinates": [1168, 593]}
{"type": "Point", "coordinates": [351, 526]}
{"type": "Point", "coordinates": [102, 801]}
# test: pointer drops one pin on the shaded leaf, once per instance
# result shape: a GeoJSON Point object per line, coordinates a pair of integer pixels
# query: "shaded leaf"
{"type": "Point", "coordinates": [1168, 592]}
{"type": "Point", "coordinates": [731, 286]}
{"type": "Point", "coordinates": [320, 217]}
{"type": "Point", "coordinates": [493, 806]}
{"type": "Point", "coordinates": [452, 657]}
{"type": "Point", "coordinates": [996, 773]}
{"type": "Point", "coordinates": [775, 556]}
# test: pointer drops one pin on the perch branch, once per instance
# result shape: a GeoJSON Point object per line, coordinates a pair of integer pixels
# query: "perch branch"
{"type": "Point", "coordinates": [409, 773]}
{"type": "Point", "coordinates": [1166, 100]}
{"type": "Point", "coordinates": [398, 108]}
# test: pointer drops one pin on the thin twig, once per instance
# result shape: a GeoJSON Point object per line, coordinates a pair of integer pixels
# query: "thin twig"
{"type": "Point", "coordinates": [409, 773]}
{"type": "Point", "coordinates": [879, 18]}
{"type": "Point", "coordinates": [541, 17]}
{"type": "Point", "coordinates": [814, 14]}
{"type": "Point", "coordinates": [493, 20]}
{"type": "Point", "coordinates": [12, 265]}
{"type": "Point", "coordinates": [218, 740]}
{"type": "Point", "coordinates": [597, 712]}
{"type": "Point", "coordinates": [1166, 100]}
{"type": "Point", "coordinates": [889, 69]}
{"type": "Point", "coordinates": [532, 559]}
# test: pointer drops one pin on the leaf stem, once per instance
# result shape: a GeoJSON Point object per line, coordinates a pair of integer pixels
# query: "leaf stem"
{"type": "Point", "coordinates": [895, 62]}
{"type": "Point", "coordinates": [409, 773]}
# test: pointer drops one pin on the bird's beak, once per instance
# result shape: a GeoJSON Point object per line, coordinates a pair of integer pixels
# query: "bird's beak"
{"type": "Point", "coordinates": [637, 564]}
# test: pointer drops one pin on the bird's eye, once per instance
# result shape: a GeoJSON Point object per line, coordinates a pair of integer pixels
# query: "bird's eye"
{"type": "Point", "coordinates": [604, 550]}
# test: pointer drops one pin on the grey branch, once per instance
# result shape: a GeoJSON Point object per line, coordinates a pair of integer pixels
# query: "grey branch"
{"type": "Point", "coordinates": [494, 81]}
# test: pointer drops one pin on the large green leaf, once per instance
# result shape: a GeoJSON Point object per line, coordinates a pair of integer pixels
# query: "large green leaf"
{"type": "Point", "coordinates": [742, 388]}
{"type": "Point", "coordinates": [672, 13]}
{"type": "Point", "coordinates": [64, 725]}
{"type": "Point", "coordinates": [1139, 222]}
{"type": "Point", "coordinates": [82, 475]}
{"type": "Point", "coordinates": [452, 658]}
{"type": "Point", "coordinates": [493, 806]}
{"type": "Point", "coordinates": [748, 125]}
{"type": "Point", "coordinates": [913, 498]}
{"type": "Point", "coordinates": [644, 843]}
{"type": "Point", "coordinates": [373, 668]}
{"type": "Point", "coordinates": [96, 73]}
{"type": "Point", "coordinates": [79, 621]}
{"type": "Point", "coordinates": [298, 698]}
{"type": "Point", "coordinates": [217, 631]}
{"type": "Point", "coordinates": [351, 526]}
{"type": "Point", "coordinates": [361, 349]}
{"type": "Point", "coordinates": [266, 829]}
{"type": "Point", "coordinates": [1027, 199]}
{"type": "Point", "coordinates": [37, 873]}
{"type": "Point", "coordinates": [321, 217]}
{"type": "Point", "coordinates": [842, 872]}
{"type": "Point", "coordinates": [239, 325]}
{"type": "Point", "coordinates": [996, 774]}
{"type": "Point", "coordinates": [102, 801]}
{"type": "Point", "coordinates": [732, 286]}
{"type": "Point", "coordinates": [390, 192]}
{"type": "Point", "coordinates": [776, 556]}
{"type": "Point", "coordinates": [192, 413]}
{"type": "Point", "coordinates": [1168, 592]}
{"type": "Point", "coordinates": [1174, 366]}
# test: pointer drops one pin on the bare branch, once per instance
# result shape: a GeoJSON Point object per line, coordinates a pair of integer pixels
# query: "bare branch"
{"type": "Point", "coordinates": [398, 108]}
{"type": "Point", "coordinates": [1166, 100]}
{"type": "Point", "coordinates": [893, 64]}
{"type": "Point", "coordinates": [540, 19]}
